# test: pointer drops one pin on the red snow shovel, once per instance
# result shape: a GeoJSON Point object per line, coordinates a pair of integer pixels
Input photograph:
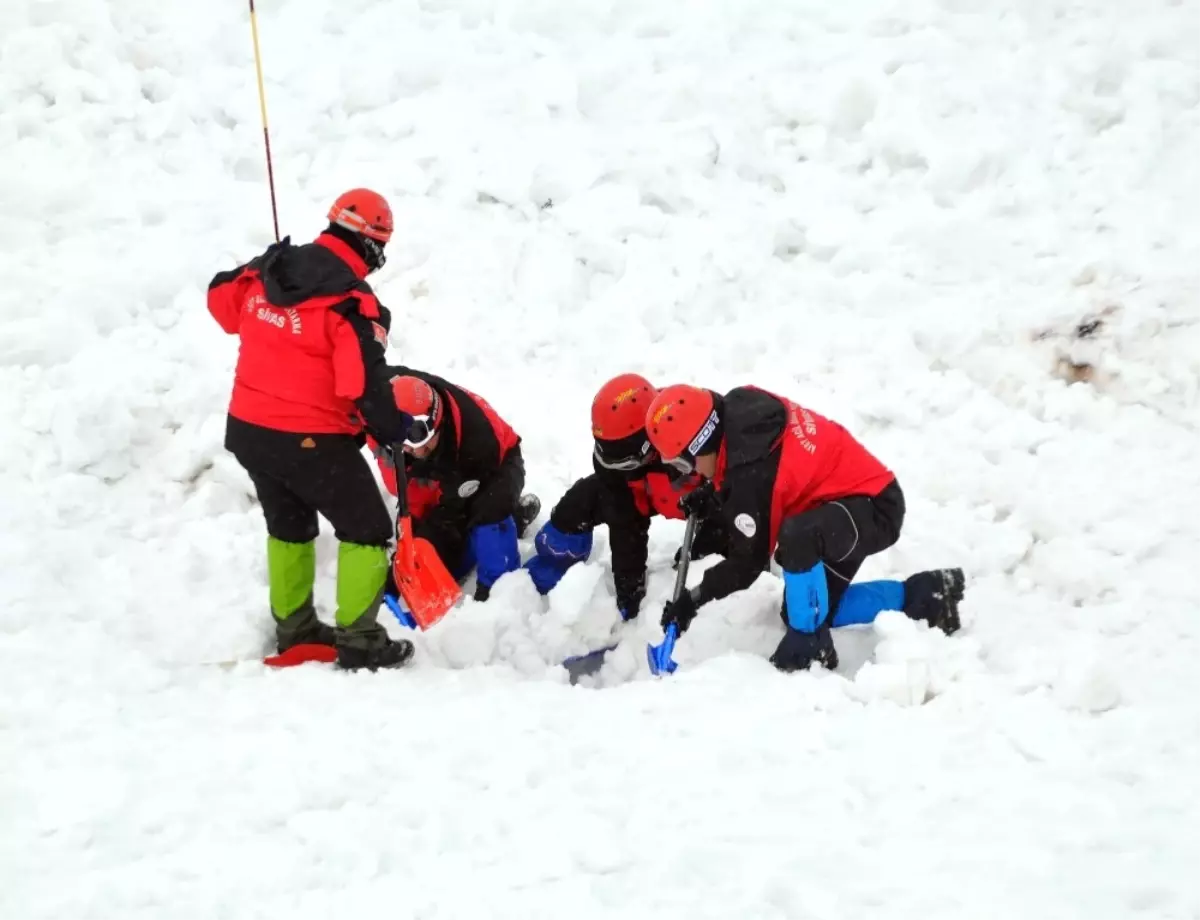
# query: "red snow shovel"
{"type": "Point", "coordinates": [302, 654]}
{"type": "Point", "coordinates": [428, 588]}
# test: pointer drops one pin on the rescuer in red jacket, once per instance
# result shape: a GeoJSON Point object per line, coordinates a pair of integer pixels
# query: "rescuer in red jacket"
{"type": "Point", "coordinates": [310, 368]}
{"type": "Point", "coordinates": [465, 473]}
{"type": "Point", "coordinates": [628, 486]}
{"type": "Point", "coordinates": [782, 479]}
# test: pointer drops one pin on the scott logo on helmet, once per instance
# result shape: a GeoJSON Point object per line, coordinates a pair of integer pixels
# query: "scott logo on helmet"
{"type": "Point", "coordinates": [701, 439]}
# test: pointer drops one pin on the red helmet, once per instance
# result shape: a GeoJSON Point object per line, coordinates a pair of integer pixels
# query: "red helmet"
{"type": "Point", "coordinates": [363, 211]}
{"type": "Point", "coordinates": [619, 422]}
{"type": "Point", "coordinates": [417, 398]}
{"type": "Point", "coordinates": [619, 408]}
{"type": "Point", "coordinates": [680, 422]}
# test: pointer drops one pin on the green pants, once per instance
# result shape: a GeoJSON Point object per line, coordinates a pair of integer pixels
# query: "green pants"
{"type": "Point", "coordinates": [361, 575]}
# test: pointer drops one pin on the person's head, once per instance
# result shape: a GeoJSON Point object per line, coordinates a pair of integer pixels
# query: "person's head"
{"type": "Point", "coordinates": [619, 423]}
{"type": "Point", "coordinates": [365, 219]}
{"type": "Point", "coordinates": [684, 426]}
{"type": "Point", "coordinates": [417, 398]}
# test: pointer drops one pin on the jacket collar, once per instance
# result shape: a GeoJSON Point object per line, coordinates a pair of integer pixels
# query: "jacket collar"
{"type": "Point", "coordinates": [356, 262]}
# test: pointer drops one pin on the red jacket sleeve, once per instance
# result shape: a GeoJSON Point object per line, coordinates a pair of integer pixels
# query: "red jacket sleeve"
{"type": "Point", "coordinates": [227, 292]}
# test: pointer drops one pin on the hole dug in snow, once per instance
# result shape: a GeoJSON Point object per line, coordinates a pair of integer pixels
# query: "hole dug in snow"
{"type": "Point", "coordinates": [896, 659]}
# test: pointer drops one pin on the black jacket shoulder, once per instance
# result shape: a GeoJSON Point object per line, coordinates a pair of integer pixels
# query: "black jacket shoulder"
{"type": "Point", "coordinates": [754, 422]}
{"type": "Point", "coordinates": [294, 274]}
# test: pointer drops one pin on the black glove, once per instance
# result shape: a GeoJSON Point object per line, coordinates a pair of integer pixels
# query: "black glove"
{"type": "Point", "coordinates": [631, 590]}
{"type": "Point", "coordinates": [680, 612]}
{"type": "Point", "coordinates": [702, 501]}
{"type": "Point", "coordinates": [628, 606]}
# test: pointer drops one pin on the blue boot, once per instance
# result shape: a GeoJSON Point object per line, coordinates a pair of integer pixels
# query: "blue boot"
{"type": "Point", "coordinates": [864, 601]}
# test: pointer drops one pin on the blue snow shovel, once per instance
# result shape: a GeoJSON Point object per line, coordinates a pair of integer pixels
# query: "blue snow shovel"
{"type": "Point", "coordinates": [659, 656]}
{"type": "Point", "coordinates": [395, 605]}
{"type": "Point", "coordinates": [586, 664]}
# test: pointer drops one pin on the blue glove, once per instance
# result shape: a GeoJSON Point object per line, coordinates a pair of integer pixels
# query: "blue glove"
{"type": "Point", "coordinates": [556, 552]}
{"type": "Point", "coordinates": [495, 549]}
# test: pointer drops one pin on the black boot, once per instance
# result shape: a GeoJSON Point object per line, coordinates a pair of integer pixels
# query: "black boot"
{"type": "Point", "coordinates": [797, 650]}
{"type": "Point", "coordinates": [528, 507]}
{"type": "Point", "coordinates": [371, 649]}
{"type": "Point", "coordinates": [301, 627]}
{"type": "Point", "coordinates": [933, 597]}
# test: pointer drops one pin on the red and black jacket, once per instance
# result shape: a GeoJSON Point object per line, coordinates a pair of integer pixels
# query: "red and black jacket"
{"type": "Point", "coordinates": [458, 480]}
{"type": "Point", "coordinates": [625, 501]}
{"type": "Point", "coordinates": [777, 459]}
{"type": "Point", "coordinates": [312, 340]}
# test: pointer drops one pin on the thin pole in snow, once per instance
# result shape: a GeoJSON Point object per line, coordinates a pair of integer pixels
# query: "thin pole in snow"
{"type": "Point", "coordinates": [262, 104]}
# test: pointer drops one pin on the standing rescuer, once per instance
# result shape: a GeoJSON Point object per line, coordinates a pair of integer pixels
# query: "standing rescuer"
{"type": "Point", "coordinates": [310, 370]}
{"type": "Point", "coordinates": [782, 479]}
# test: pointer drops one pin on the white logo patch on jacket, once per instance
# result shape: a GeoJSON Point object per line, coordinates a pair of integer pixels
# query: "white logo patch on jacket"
{"type": "Point", "coordinates": [745, 523]}
{"type": "Point", "coordinates": [468, 488]}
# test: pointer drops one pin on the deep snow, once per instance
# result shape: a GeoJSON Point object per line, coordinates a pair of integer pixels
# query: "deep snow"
{"type": "Point", "coordinates": [898, 212]}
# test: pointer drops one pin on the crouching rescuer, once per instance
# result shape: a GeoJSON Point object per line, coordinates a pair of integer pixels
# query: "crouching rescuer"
{"type": "Point", "coordinates": [465, 473]}
{"type": "Point", "coordinates": [310, 368]}
{"type": "Point", "coordinates": [782, 479]}
{"type": "Point", "coordinates": [628, 486]}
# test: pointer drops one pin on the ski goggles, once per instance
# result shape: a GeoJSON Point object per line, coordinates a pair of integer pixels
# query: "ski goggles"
{"type": "Point", "coordinates": [420, 432]}
{"type": "Point", "coordinates": [625, 455]}
{"type": "Point", "coordinates": [684, 463]}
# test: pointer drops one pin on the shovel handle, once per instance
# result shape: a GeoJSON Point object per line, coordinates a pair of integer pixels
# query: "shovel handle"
{"type": "Point", "coordinates": [685, 556]}
{"type": "Point", "coordinates": [397, 456]}
{"type": "Point", "coordinates": [404, 543]}
{"type": "Point", "coordinates": [660, 655]}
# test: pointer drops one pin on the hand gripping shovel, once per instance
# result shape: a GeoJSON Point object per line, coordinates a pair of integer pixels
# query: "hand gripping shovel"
{"type": "Point", "coordinates": [659, 656]}
{"type": "Point", "coordinates": [427, 587]}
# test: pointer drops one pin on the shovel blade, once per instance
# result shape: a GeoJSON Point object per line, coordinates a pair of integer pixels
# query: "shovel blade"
{"type": "Point", "coordinates": [428, 588]}
{"type": "Point", "coordinates": [586, 664]}
{"type": "Point", "coordinates": [659, 656]}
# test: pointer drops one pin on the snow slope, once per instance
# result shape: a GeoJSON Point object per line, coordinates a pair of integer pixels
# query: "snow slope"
{"type": "Point", "coordinates": [897, 211]}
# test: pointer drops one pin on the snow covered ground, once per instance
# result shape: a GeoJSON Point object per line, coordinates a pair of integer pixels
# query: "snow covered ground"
{"type": "Point", "coordinates": [898, 211]}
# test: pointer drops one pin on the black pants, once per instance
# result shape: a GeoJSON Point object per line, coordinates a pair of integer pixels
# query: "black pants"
{"type": "Point", "coordinates": [298, 476]}
{"type": "Point", "coordinates": [502, 494]}
{"type": "Point", "coordinates": [841, 534]}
